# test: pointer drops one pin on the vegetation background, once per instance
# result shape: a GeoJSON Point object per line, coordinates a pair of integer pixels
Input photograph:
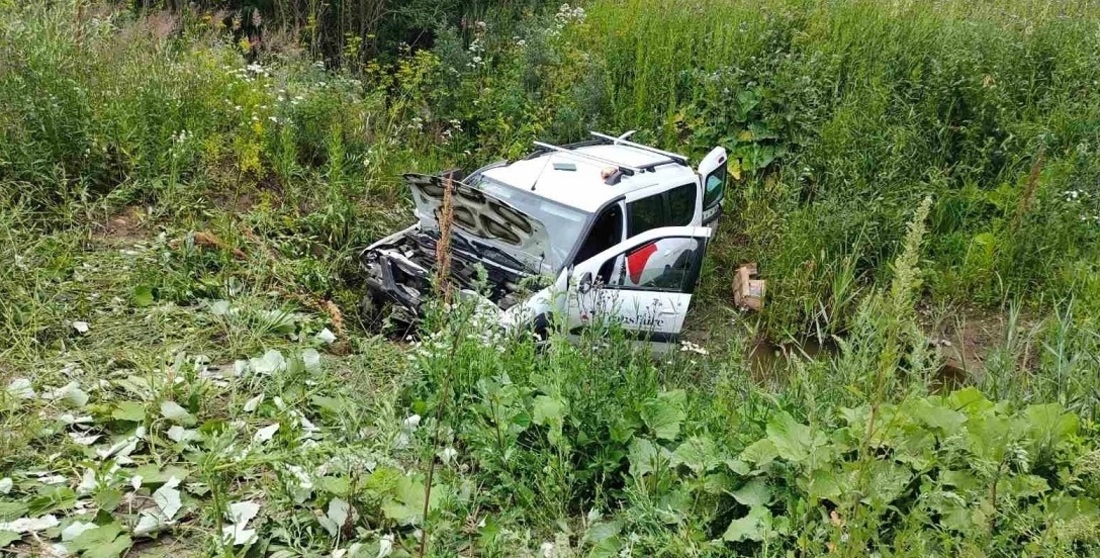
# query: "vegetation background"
{"type": "Point", "coordinates": [183, 190]}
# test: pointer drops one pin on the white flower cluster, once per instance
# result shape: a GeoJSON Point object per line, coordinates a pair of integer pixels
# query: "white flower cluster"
{"type": "Point", "coordinates": [1078, 197]}
{"type": "Point", "coordinates": [477, 49]}
{"type": "Point", "coordinates": [568, 15]}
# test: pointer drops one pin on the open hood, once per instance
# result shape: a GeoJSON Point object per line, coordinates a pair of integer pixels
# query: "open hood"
{"type": "Point", "coordinates": [482, 219]}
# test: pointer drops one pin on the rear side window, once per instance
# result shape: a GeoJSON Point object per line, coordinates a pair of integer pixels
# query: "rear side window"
{"type": "Point", "coordinates": [646, 213]}
{"type": "Point", "coordinates": [681, 205]}
{"type": "Point", "coordinates": [673, 208]}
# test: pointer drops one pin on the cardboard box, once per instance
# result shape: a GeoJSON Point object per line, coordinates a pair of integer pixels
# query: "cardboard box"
{"type": "Point", "coordinates": [748, 292]}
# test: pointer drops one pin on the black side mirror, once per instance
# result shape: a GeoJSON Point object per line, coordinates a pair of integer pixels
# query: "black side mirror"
{"type": "Point", "coordinates": [585, 283]}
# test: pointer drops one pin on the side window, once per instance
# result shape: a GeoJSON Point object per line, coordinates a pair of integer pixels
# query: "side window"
{"type": "Point", "coordinates": [681, 205]}
{"type": "Point", "coordinates": [666, 264]}
{"type": "Point", "coordinates": [714, 187]}
{"type": "Point", "coordinates": [645, 214]}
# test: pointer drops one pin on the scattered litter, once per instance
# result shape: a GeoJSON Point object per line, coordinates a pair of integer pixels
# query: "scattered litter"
{"type": "Point", "coordinates": [311, 359]}
{"type": "Point", "coordinates": [385, 546]}
{"type": "Point", "coordinates": [252, 404]}
{"type": "Point", "coordinates": [176, 413]}
{"type": "Point", "coordinates": [748, 292]}
{"type": "Point", "coordinates": [20, 388]}
{"type": "Point", "coordinates": [75, 529]}
{"type": "Point", "coordinates": [5, 485]}
{"type": "Point", "coordinates": [84, 439]}
{"type": "Point", "coordinates": [167, 498]}
{"type": "Point", "coordinates": [240, 513]}
{"type": "Point", "coordinates": [266, 433]}
{"type": "Point", "coordinates": [271, 362]}
{"type": "Point", "coordinates": [327, 337]}
{"type": "Point", "coordinates": [70, 393]}
{"type": "Point", "coordinates": [180, 434]}
{"type": "Point", "coordinates": [88, 483]}
{"type": "Point", "coordinates": [81, 327]}
{"type": "Point", "coordinates": [29, 525]}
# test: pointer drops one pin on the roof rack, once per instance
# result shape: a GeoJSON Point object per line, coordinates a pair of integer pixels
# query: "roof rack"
{"type": "Point", "coordinates": [621, 140]}
{"type": "Point", "coordinates": [623, 168]}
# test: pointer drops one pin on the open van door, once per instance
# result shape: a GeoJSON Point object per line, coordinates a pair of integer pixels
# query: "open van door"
{"type": "Point", "coordinates": [713, 175]}
{"type": "Point", "coordinates": [639, 285]}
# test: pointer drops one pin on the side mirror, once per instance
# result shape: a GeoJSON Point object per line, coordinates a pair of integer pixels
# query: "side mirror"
{"type": "Point", "coordinates": [585, 283]}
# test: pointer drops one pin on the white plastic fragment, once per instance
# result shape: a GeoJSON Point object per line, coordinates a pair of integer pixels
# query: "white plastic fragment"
{"type": "Point", "coordinates": [5, 485]}
{"type": "Point", "coordinates": [84, 439]}
{"type": "Point", "coordinates": [266, 433]}
{"type": "Point", "coordinates": [325, 336]}
{"type": "Point", "coordinates": [80, 327]}
{"type": "Point", "coordinates": [88, 483]}
{"type": "Point", "coordinates": [312, 359]}
{"type": "Point", "coordinates": [20, 388]}
{"type": "Point", "coordinates": [167, 498]}
{"type": "Point", "coordinates": [271, 362]}
{"type": "Point", "coordinates": [385, 546]}
{"type": "Point", "coordinates": [75, 529]}
{"type": "Point", "coordinates": [29, 524]}
{"type": "Point", "coordinates": [254, 403]}
{"type": "Point", "coordinates": [180, 434]}
{"type": "Point", "coordinates": [240, 513]}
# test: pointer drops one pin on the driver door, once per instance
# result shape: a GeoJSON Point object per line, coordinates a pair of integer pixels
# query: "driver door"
{"type": "Point", "coordinates": [644, 284]}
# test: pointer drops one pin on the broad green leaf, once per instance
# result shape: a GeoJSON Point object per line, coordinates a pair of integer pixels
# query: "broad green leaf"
{"type": "Point", "coordinates": [753, 527]}
{"type": "Point", "coordinates": [793, 441]}
{"type": "Point", "coordinates": [8, 537]}
{"type": "Point", "coordinates": [647, 457]}
{"type": "Point", "coordinates": [12, 510]}
{"type": "Point", "coordinates": [889, 481]}
{"type": "Point", "coordinates": [131, 411]}
{"type": "Point", "coordinates": [824, 484]}
{"type": "Point", "coordinates": [1049, 425]}
{"type": "Point", "coordinates": [606, 548]}
{"type": "Point", "coordinates": [142, 296]}
{"type": "Point", "coordinates": [339, 486]}
{"type": "Point", "coordinates": [602, 530]}
{"type": "Point", "coordinates": [754, 493]}
{"type": "Point", "coordinates": [760, 452]}
{"type": "Point", "coordinates": [698, 453]}
{"type": "Point", "coordinates": [151, 474]}
{"type": "Point", "coordinates": [550, 412]}
{"type": "Point", "coordinates": [113, 549]}
{"type": "Point", "coordinates": [406, 506]}
{"type": "Point", "coordinates": [92, 538]}
{"type": "Point", "coordinates": [108, 498]}
{"type": "Point", "coordinates": [936, 416]}
{"type": "Point", "coordinates": [177, 414]}
{"type": "Point", "coordinates": [969, 400]}
{"type": "Point", "coordinates": [664, 413]}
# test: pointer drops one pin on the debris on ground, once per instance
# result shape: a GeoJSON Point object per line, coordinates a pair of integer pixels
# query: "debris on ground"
{"type": "Point", "coordinates": [748, 291]}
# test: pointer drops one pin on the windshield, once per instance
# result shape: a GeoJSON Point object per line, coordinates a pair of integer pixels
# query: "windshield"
{"type": "Point", "coordinates": [563, 224]}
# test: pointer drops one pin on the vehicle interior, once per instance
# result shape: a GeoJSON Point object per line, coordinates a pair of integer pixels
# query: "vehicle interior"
{"type": "Point", "coordinates": [606, 232]}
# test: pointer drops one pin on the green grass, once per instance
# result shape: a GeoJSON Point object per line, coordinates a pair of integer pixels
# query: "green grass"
{"type": "Point", "coordinates": [201, 217]}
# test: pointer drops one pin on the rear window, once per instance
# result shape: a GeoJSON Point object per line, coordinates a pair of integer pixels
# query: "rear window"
{"type": "Point", "coordinates": [681, 205]}
{"type": "Point", "coordinates": [646, 213]}
{"type": "Point", "coordinates": [673, 208]}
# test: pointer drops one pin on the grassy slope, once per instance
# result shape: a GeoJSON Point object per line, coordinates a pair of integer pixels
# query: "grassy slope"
{"type": "Point", "coordinates": [594, 448]}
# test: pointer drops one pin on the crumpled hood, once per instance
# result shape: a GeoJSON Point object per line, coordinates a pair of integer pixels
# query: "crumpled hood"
{"type": "Point", "coordinates": [482, 219]}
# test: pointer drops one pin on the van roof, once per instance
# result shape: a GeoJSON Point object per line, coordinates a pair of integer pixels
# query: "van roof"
{"type": "Point", "coordinates": [585, 188]}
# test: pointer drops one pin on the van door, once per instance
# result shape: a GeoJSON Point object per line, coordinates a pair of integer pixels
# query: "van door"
{"type": "Point", "coordinates": [626, 285]}
{"type": "Point", "coordinates": [713, 176]}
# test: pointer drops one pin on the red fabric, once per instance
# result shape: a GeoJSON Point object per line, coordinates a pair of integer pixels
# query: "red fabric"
{"type": "Point", "coordinates": [635, 263]}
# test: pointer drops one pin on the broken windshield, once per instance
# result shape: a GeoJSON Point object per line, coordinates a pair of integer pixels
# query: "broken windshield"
{"type": "Point", "coordinates": [563, 224]}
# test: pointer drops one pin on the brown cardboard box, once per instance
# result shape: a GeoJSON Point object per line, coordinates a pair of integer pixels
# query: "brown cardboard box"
{"type": "Point", "coordinates": [748, 292]}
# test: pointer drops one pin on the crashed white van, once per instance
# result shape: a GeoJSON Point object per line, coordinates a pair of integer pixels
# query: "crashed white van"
{"type": "Point", "coordinates": [604, 229]}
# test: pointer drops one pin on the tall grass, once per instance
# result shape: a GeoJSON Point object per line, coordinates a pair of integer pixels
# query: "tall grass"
{"type": "Point", "coordinates": [843, 115]}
